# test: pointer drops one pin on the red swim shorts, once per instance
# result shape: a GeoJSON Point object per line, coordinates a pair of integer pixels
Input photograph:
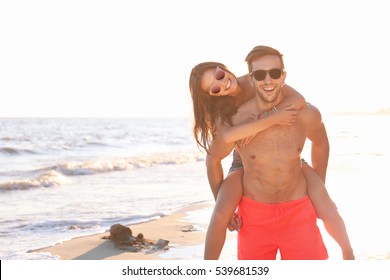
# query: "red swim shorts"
{"type": "Point", "coordinates": [289, 227]}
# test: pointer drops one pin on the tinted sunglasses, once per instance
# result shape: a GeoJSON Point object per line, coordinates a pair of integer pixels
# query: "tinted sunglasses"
{"type": "Point", "coordinates": [219, 75]}
{"type": "Point", "coordinates": [260, 75]}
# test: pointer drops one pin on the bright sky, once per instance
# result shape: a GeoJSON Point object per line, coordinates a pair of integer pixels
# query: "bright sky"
{"type": "Point", "coordinates": [80, 58]}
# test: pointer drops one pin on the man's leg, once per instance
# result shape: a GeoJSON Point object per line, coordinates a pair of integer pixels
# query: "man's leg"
{"type": "Point", "coordinates": [257, 238]}
{"type": "Point", "coordinates": [300, 237]}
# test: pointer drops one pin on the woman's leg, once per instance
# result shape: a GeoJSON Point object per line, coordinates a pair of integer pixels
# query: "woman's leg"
{"type": "Point", "coordinates": [228, 198]}
{"type": "Point", "coordinates": [327, 211]}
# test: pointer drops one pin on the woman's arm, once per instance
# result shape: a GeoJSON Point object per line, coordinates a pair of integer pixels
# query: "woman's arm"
{"type": "Point", "coordinates": [291, 96]}
{"type": "Point", "coordinates": [230, 134]}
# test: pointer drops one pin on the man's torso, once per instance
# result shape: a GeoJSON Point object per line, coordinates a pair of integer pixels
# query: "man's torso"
{"type": "Point", "coordinates": [272, 160]}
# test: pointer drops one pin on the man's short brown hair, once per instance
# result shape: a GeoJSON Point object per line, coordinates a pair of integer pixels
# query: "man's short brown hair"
{"type": "Point", "coordinates": [260, 51]}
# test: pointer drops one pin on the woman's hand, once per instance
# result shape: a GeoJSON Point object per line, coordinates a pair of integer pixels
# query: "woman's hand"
{"type": "Point", "coordinates": [284, 116]}
{"type": "Point", "coordinates": [245, 141]}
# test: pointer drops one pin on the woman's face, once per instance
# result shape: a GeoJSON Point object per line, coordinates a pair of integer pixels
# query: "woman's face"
{"type": "Point", "coordinates": [219, 82]}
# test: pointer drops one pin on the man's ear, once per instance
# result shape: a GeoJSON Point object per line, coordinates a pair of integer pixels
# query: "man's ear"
{"type": "Point", "coordinates": [251, 80]}
{"type": "Point", "coordinates": [284, 74]}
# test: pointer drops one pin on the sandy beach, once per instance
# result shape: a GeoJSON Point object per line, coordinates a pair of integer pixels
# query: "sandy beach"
{"type": "Point", "coordinates": [185, 235]}
{"type": "Point", "coordinates": [185, 229]}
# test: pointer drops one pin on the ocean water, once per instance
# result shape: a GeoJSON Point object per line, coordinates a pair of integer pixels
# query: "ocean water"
{"type": "Point", "coordinates": [64, 178]}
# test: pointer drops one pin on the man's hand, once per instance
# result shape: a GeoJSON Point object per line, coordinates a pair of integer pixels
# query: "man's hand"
{"type": "Point", "coordinates": [235, 222]}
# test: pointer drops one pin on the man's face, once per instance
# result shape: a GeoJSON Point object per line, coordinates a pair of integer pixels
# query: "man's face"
{"type": "Point", "coordinates": [218, 82]}
{"type": "Point", "coordinates": [268, 78]}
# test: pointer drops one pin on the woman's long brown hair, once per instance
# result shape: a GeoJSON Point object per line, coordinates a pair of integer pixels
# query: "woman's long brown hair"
{"type": "Point", "coordinates": [208, 109]}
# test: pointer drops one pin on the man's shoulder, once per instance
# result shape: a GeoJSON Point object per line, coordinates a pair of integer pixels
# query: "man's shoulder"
{"type": "Point", "coordinates": [310, 114]}
{"type": "Point", "coordinates": [248, 105]}
{"type": "Point", "coordinates": [245, 111]}
{"type": "Point", "coordinates": [310, 109]}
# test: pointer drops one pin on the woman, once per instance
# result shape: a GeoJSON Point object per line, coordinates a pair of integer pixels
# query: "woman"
{"type": "Point", "coordinates": [216, 95]}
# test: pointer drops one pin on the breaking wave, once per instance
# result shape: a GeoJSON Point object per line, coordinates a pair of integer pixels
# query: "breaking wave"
{"type": "Point", "coordinates": [53, 176]}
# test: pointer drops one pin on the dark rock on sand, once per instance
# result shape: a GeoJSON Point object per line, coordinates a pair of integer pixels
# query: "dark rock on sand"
{"type": "Point", "coordinates": [123, 238]}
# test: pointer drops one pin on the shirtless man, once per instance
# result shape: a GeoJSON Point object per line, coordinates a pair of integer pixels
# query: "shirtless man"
{"type": "Point", "coordinates": [275, 209]}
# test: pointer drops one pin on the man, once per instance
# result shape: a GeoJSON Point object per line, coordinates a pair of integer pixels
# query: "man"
{"type": "Point", "coordinates": [276, 211]}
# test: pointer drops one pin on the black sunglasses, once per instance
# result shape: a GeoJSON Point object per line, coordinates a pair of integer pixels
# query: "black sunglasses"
{"type": "Point", "coordinates": [260, 75]}
{"type": "Point", "coordinates": [219, 75]}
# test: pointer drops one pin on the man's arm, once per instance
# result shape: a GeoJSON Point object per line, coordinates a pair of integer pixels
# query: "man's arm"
{"type": "Point", "coordinates": [316, 133]}
{"type": "Point", "coordinates": [218, 151]}
{"type": "Point", "coordinates": [320, 151]}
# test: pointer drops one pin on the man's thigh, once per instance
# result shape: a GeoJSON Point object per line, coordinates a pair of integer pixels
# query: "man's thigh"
{"type": "Point", "coordinates": [257, 237]}
{"type": "Point", "coordinates": [300, 237]}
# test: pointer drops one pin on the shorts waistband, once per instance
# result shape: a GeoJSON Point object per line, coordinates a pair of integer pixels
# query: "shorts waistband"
{"type": "Point", "coordinates": [252, 202]}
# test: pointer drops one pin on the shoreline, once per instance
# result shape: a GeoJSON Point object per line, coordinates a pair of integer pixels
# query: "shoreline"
{"type": "Point", "coordinates": [185, 229]}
